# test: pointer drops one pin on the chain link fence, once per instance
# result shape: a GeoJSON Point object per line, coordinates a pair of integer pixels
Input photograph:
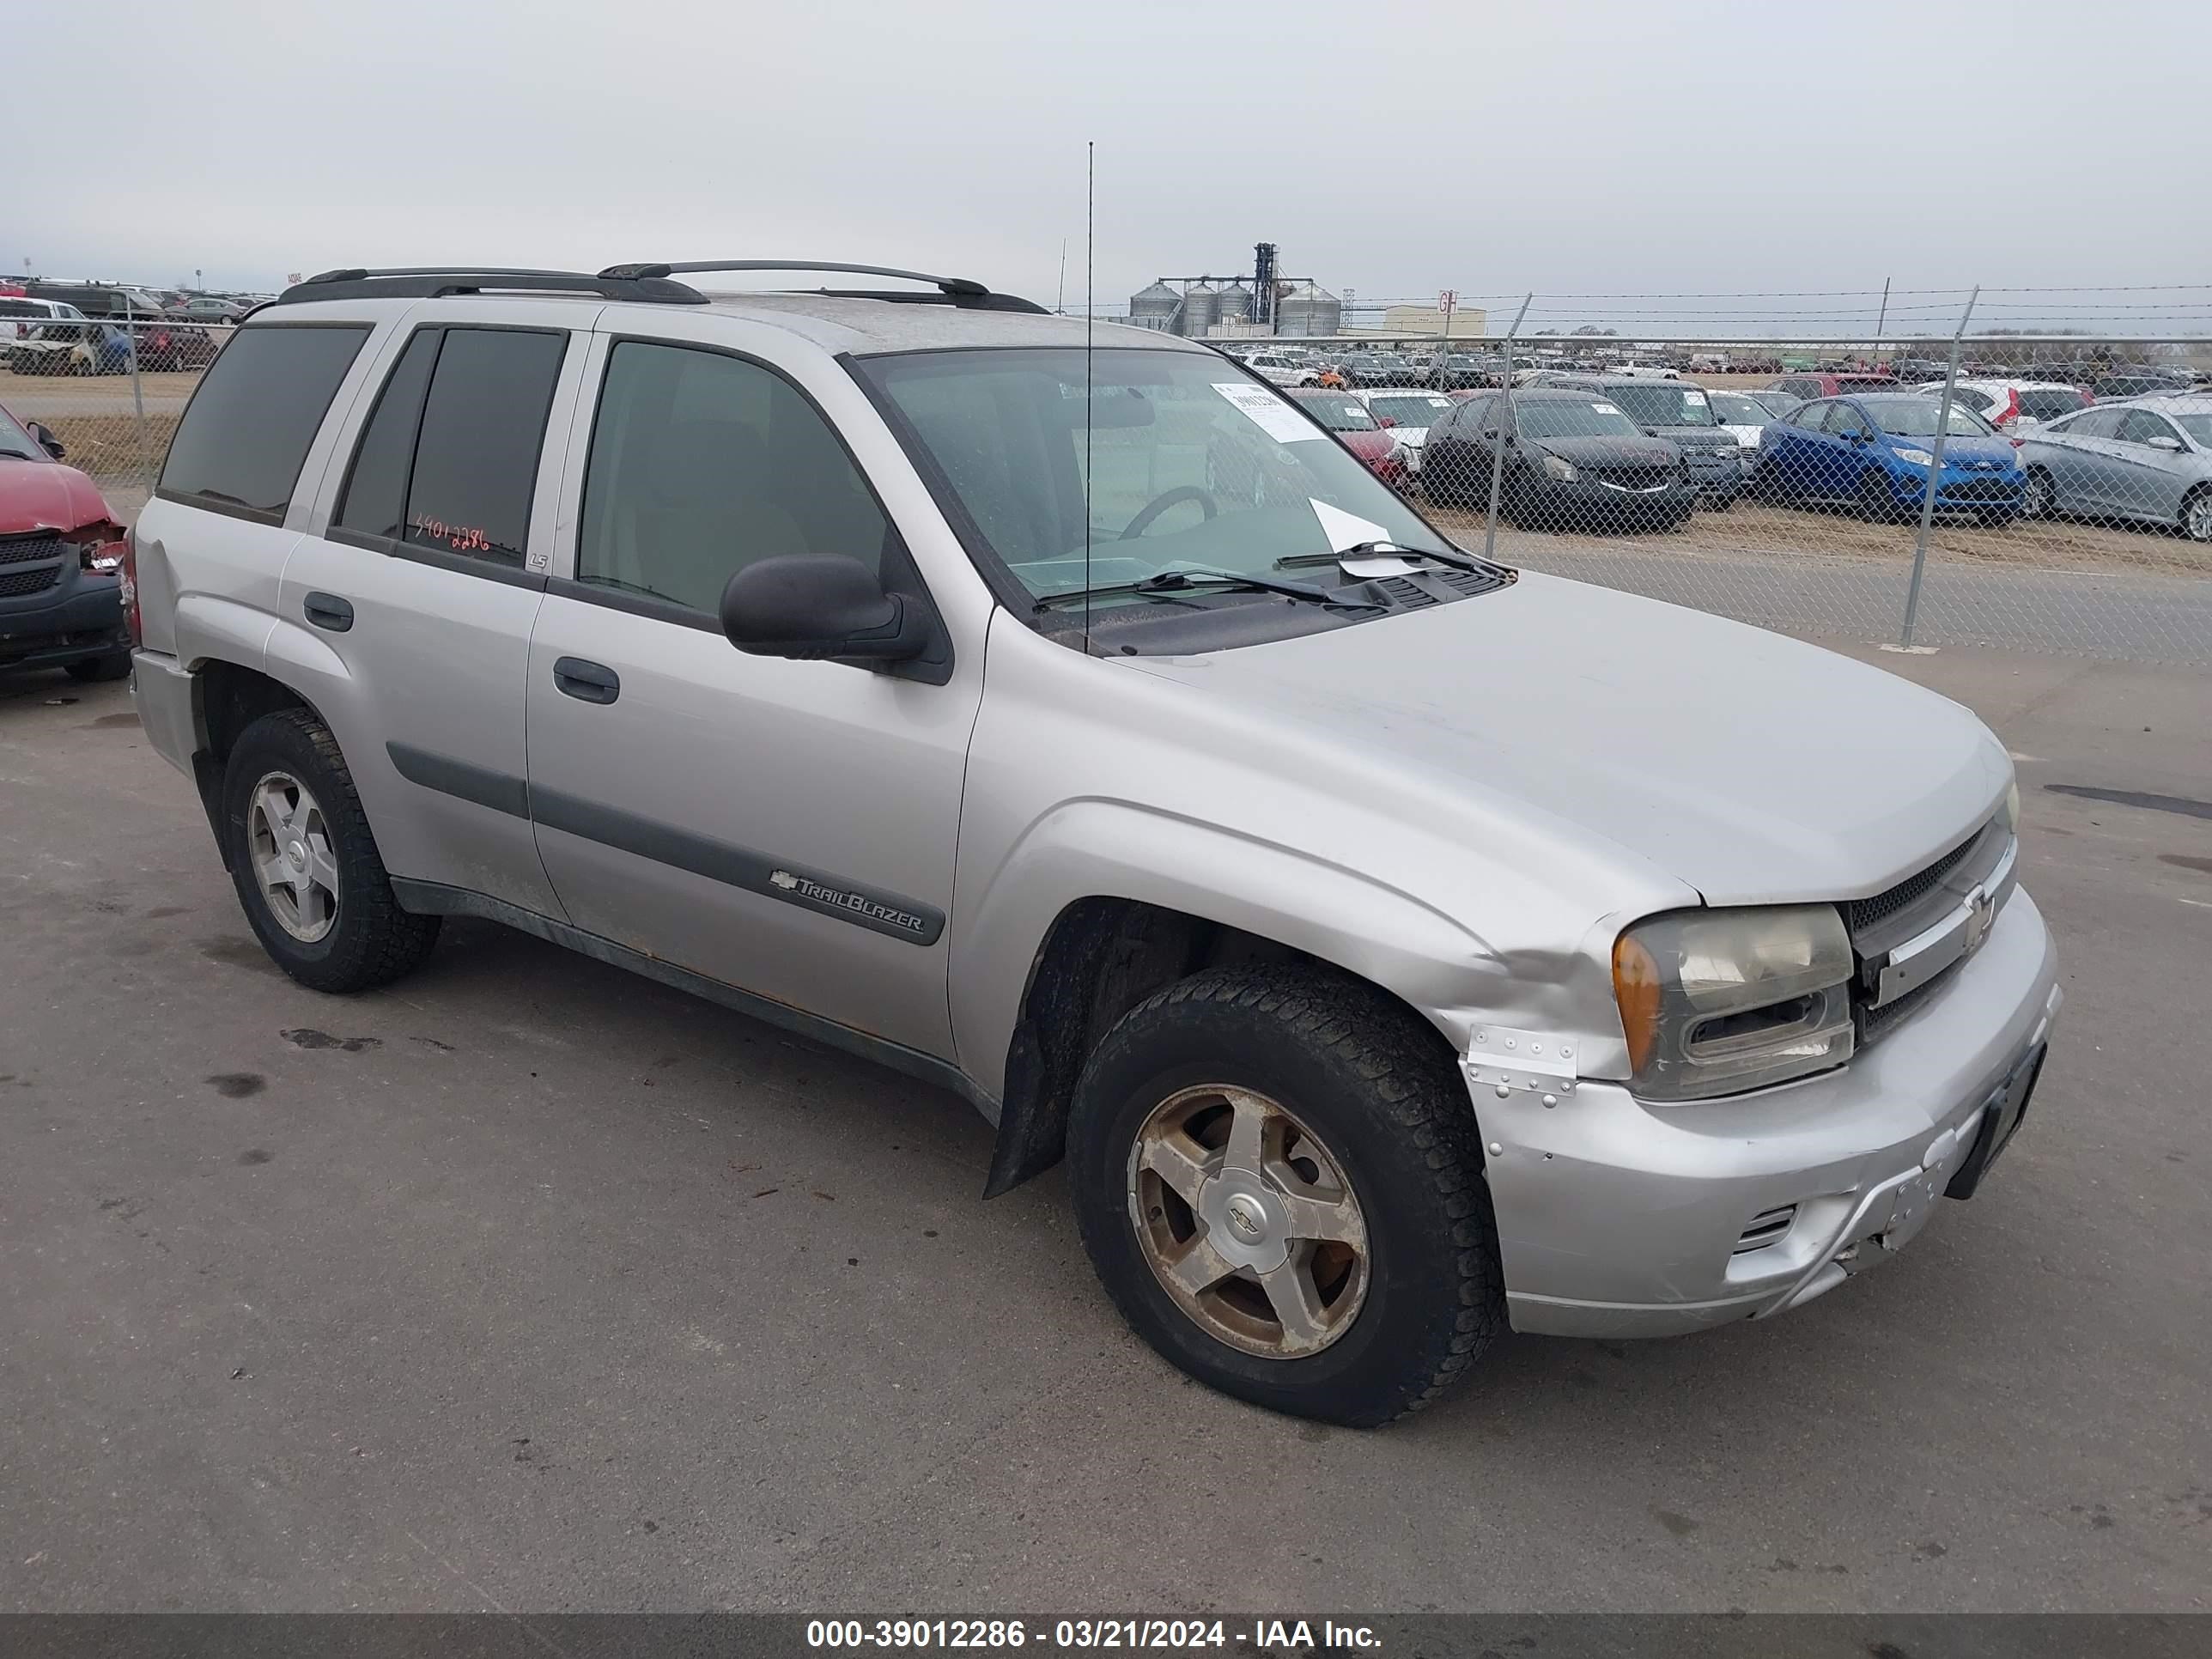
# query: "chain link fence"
{"type": "Point", "coordinates": [106, 391]}
{"type": "Point", "coordinates": [2040, 492]}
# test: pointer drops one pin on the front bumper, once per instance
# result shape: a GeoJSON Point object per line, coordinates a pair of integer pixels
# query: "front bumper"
{"type": "Point", "coordinates": [1586, 501]}
{"type": "Point", "coordinates": [1619, 1218]}
{"type": "Point", "coordinates": [1961, 491]}
{"type": "Point", "coordinates": [80, 616]}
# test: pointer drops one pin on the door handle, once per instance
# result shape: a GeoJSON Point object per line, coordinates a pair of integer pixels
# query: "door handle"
{"type": "Point", "coordinates": [328, 611]}
{"type": "Point", "coordinates": [588, 682]}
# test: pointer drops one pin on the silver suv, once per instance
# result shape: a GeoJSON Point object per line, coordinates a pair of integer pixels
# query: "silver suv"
{"type": "Point", "coordinates": [1398, 947]}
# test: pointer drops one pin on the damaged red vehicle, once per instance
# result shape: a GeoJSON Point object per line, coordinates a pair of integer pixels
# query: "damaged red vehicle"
{"type": "Point", "coordinates": [61, 560]}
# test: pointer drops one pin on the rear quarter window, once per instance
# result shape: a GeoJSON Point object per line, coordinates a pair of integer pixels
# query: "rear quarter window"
{"type": "Point", "coordinates": [259, 407]}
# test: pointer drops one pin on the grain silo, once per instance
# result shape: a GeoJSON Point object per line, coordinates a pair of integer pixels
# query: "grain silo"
{"type": "Point", "coordinates": [1202, 308]}
{"type": "Point", "coordinates": [1309, 308]}
{"type": "Point", "coordinates": [1154, 306]}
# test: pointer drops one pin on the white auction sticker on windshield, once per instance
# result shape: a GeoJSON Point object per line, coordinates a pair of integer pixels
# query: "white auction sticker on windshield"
{"type": "Point", "coordinates": [1695, 399]}
{"type": "Point", "coordinates": [1346, 529]}
{"type": "Point", "coordinates": [1269, 412]}
{"type": "Point", "coordinates": [1606, 408]}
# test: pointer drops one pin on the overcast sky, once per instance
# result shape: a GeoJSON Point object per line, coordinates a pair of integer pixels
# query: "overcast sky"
{"type": "Point", "coordinates": [1576, 148]}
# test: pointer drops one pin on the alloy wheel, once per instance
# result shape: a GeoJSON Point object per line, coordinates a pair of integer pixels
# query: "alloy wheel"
{"type": "Point", "coordinates": [289, 845]}
{"type": "Point", "coordinates": [1248, 1221]}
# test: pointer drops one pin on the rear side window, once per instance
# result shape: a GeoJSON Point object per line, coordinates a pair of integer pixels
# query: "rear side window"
{"type": "Point", "coordinates": [257, 409]}
{"type": "Point", "coordinates": [448, 460]}
{"type": "Point", "coordinates": [2049, 405]}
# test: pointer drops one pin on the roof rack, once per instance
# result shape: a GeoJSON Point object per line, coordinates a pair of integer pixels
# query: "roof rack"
{"type": "Point", "coordinates": [432, 282]}
{"type": "Point", "coordinates": [961, 291]}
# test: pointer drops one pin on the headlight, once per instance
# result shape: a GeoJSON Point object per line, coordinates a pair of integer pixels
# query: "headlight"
{"type": "Point", "coordinates": [1715, 1002]}
{"type": "Point", "coordinates": [1563, 471]}
{"type": "Point", "coordinates": [2011, 810]}
{"type": "Point", "coordinates": [1915, 457]}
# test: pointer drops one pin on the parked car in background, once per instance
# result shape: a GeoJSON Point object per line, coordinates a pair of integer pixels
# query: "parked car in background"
{"type": "Point", "coordinates": [1682, 413]}
{"type": "Point", "coordinates": [60, 549]}
{"type": "Point", "coordinates": [84, 347]}
{"type": "Point", "coordinates": [2014, 406]}
{"type": "Point", "coordinates": [1571, 458]}
{"type": "Point", "coordinates": [1281, 369]}
{"type": "Point", "coordinates": [1874, 451]}
{"type": "Point", "coordinates": [1912, 371]}
{"type": "Point", "coordinates": [2146, 461]}
{"type": "Point", "coordinates": [2115, 383]}
{"type": "Point", "coordinates": [1743, 417]}
{"type": "Point", "coordinates": [1809, 385]}
{"type": "Point", "coordinates": [21, 315]}
{"type": "Point", "coordinates": [1346, 418]}
{"type": "Point", "coordinates": [167, 346]}
{"type": "Point", "coordinates": [1408, 412]}
{"type": "Point", "coordinates": [208, 308]}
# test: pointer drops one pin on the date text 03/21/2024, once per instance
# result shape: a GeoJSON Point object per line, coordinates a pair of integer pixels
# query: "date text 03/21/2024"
{"type": "Point", "coordinates": [1168, 1634]}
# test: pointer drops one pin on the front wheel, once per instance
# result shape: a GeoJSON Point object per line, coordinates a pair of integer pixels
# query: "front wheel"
{"type": "Point", "coordinates": [1277, 1177]}
{"type": "Point", "coordinates": [313, 887]}
{"type": "Point", "coordinates": [1876, 504]}
{"type": "Point", "coordinates": [2039, 499]}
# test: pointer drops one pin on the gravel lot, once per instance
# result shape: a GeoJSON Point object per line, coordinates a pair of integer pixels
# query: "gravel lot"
{"type": "Point", "coordinates": [531, 1284]}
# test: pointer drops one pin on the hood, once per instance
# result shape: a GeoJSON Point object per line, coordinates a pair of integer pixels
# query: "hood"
{"type": "Point", "coordinates": [1969, 454]}
{"type": "Point", "coordinates": [46, 495]}
{"type": "Point", "coordinates": [1754, 767]}
{"type": "Point", "coordinates": [1371, 446]}
{"type": "Point", "coordinates": [1607, 452]}
{"type": "Point", "coordinates": [1695, 437]}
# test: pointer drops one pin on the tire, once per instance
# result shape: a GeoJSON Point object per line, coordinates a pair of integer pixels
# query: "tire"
{"type": "Point", "coordinates": [2196, 515]}
{"type": "Point", "coordinates": [1876, 505]}
{"type": "Point", "coordinates": [115, 666]}
{"type": "Point", "coordinates": [1352, 1073]}
{"type": "Point", "coordinates": [2039, 499]}
{"type": "Point", "coordinates": [368, 940]}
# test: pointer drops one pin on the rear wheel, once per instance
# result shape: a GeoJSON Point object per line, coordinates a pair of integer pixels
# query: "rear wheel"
{"type": "Point", "coordinates": [2039, 498]}
{"type": "Point", "coordinates": [1277, 1177]}
{"type": "Point", "coordinates": [308, 875]}
{"type": "Point", "coordinates": [2196, 515]}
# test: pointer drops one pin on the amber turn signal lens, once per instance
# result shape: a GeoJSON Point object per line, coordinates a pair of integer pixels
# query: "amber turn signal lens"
{"type": "Point", "coordinates": [1636, 987]}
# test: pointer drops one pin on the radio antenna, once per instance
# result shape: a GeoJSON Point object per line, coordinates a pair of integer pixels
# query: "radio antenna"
{"type": "Point", "coordinates": [1089, 316]}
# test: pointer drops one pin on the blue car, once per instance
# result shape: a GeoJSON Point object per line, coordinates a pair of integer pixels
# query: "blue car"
{"type": "Point", "coordinates": [1873, 452]}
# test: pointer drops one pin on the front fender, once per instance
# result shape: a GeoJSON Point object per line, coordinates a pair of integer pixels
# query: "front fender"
{"type": "Point", "coordinates": [1099, 849]}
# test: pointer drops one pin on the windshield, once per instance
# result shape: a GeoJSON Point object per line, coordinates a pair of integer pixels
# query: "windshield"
{"type": "Point", "coordinates": [1734, 408]}
{"type": "Point", "coordinates": [16, 443]}
{"type": "Point", "coordinates": [1193, 464]}
{"type": "Point", "coordinates": [1422, 411]}
{"type": "Point", "coordinates": [1340, 414]}
{"type": "Point", "coordinates": [1664, 403]}
{"type": "Point", "coordinates": [1914, 417]}
{"type": "Point", "coordinates": [1574, 417]}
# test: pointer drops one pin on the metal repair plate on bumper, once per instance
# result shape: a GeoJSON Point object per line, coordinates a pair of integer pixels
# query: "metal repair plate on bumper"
{"type": "Point", "coordinates": [2008, 1105]}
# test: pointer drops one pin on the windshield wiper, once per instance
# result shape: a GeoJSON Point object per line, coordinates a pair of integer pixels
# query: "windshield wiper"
{"type": "Point", "coordinates": [1178, 582]}
{"type": "Point", "coordinates": [1387, 551]}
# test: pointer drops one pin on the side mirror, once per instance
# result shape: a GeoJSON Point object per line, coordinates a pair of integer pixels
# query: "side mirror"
{"type": "Point", "coordinates": [47, 441]}
{"type": "Point", "coordinates": [1386, 420]}
{"type": "Point", "coordinates": [2167, 442]}
{"type": "Point", "coordinates": [810, 609]}
{"type": "Point", "coordinates": [1859, 437]}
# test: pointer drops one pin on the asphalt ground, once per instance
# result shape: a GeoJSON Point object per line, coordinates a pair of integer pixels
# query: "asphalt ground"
{"type": "Point", "coordinates": [527, 1283]}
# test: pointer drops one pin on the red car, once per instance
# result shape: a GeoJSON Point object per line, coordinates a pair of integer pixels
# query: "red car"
{"type": "Point", "coordinates": [1807, 387]}
{"type": "Point", "coordinates": [1370, 440]}
{"type": "Point", "coordinates": [61, 604]}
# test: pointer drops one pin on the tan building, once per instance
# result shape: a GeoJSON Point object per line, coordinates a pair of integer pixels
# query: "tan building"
{"type": "Point", "coordinates": [1467, 321]}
